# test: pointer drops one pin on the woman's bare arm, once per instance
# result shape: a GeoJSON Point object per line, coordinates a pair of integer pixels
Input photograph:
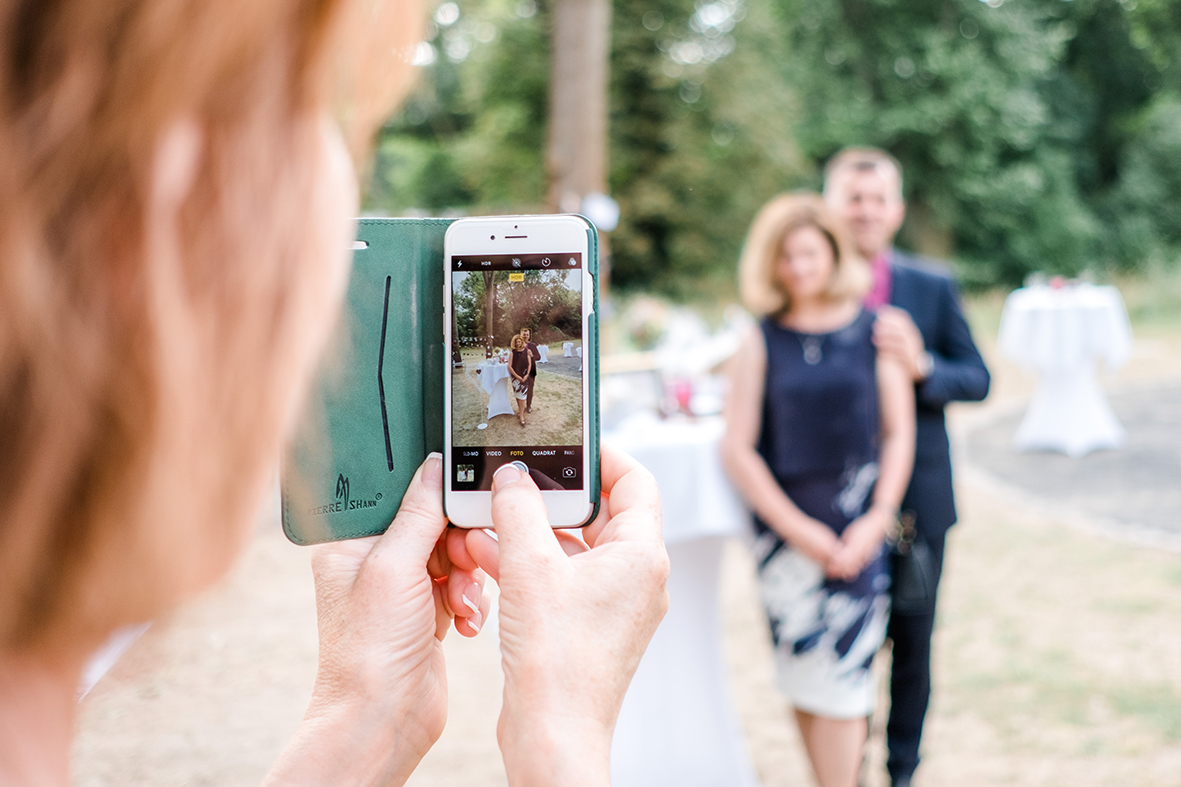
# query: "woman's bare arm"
{"type": "Point", "coordinates": [864, 536]}
{"type": "Point", "coordinates": [748, 471]}
{"type": "Point", "coordinates": [896, 397]}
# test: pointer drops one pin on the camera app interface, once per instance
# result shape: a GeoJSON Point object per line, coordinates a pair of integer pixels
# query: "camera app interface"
{"type": "Point", "coordinates": [516, 368]}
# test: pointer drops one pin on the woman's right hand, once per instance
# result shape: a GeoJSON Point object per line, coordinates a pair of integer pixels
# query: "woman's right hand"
{"type": "Point", "coordinates": [575, 617]}
{"type": "Point", "coordinates": [816, 541]}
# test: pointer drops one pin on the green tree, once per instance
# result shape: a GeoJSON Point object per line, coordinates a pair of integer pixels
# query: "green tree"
{"type": "Point", "coordinates": [698, 132]}
{"type": "Point", "coordinates": [699, 138]}
{"type": "Point", "coordinates": [541, 301]}
{"type": "Point", "coordinates": [1018, 124]}
{"type": "Point", "coordinates": [471, 137]}
{"type": "Point", "coordinates": [1034, 134]}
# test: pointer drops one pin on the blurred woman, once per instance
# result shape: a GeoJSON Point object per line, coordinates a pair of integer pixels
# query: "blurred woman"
{"type": "Point", "coordinates": [535, 353]}
{"type": "Point", "coordinates": [520, 367]}
{"type": "Point", "coordinates": [175, 200]}
{"type": "Point", "coordinates": [820, 441]}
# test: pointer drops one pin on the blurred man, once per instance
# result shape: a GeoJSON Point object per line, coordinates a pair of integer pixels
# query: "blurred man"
{"type": "Point", "coordinates": [536, 354]}
{"type": "Point", "coordinates": [921, 324]}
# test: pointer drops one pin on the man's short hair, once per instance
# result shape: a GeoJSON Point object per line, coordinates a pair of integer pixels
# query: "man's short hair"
{"type": "Point", "coordinates": [861, 159]}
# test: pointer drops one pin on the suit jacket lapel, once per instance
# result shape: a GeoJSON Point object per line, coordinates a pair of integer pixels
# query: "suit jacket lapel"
{"type": "Point", "coordinates": [901, 284]}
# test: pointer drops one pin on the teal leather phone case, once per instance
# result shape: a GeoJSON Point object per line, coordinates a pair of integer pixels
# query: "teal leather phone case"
{"type": "Point", "coordinates": [375, 409]}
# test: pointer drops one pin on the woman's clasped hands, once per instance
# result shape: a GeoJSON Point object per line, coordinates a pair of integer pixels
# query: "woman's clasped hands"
{"type": "Point", "coordinates": [845, 556]}
{"type": "Point", "coordinates": [575, 615]}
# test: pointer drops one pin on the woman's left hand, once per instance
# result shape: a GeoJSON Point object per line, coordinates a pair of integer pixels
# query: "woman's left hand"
{"type": "Point", "coordinates": [384, 605]}
{"type": "Point", "coordinates": [860, 543]}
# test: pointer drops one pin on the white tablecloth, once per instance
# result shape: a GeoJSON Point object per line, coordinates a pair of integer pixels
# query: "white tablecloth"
{"type": "Point", "coordinates": [568, 349]}
{"type": "Point", "coordinates": [1059, 334]}
{"type": "Point", "coordinates": [543, 351]}
{"type": "Point", "coordinates": [678, 726]}
{"type": "Point", "coordinates": [492, 374]}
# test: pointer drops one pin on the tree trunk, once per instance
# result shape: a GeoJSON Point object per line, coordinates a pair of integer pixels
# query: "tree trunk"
{"type": "Point", "coordinates": [576, 159]}
{"type": "Point", "coordinates": [489, 311]}
{"type": "Point", "coordinates": [579, 49]}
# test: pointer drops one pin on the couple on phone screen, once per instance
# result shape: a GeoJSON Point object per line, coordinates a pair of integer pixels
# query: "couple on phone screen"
{"type": "Point", "coordinates": [523, 369]}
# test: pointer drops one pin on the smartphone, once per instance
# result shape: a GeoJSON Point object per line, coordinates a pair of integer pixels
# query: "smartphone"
{"type": "Point", "coordinates": [522, 378]}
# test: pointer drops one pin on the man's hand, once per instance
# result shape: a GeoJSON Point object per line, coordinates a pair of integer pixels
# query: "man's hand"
{"type": "Point", "coordinates": [897, 337]}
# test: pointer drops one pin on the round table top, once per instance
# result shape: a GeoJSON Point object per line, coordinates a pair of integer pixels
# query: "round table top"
{"type": "Point", "coordinates": [1044, 328]}
{"type": "Point", "coordinates": [491, 372]}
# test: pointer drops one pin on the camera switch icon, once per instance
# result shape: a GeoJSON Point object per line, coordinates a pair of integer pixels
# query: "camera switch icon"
{"type": "Point", "coordinates": [569, 472]}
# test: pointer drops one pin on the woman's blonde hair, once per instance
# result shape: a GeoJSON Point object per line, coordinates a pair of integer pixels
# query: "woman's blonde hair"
{"type": "Point", "coordinates": [517, 339]}
{"type": "Point", "coordinates": [101, 329]}
{"type": "Point", "coordinates": [759, 285]}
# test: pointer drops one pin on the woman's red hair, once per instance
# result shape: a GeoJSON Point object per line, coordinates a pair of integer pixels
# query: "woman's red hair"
{"type": "Point", "coordinates": [88, 357]}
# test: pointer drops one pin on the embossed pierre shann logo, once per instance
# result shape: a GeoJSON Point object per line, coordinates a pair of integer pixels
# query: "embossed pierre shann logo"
{"type": "Point", "coordinates": [344, 500]}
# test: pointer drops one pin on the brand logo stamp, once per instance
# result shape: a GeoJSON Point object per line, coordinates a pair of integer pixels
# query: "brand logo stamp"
{"type": "Point", "coordinates": [344, 500]}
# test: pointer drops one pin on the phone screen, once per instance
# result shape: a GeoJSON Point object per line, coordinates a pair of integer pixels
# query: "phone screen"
{"type": "Point", "coordinates": [517, 346]}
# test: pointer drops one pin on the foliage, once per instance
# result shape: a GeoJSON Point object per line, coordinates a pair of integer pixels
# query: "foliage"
{"type": "Point", "coordinates": [699, 138]}
{"type": "Point", "coordinates": [1034, 134]}
{"type": "Point", "coordinates": [698, 134]}
{"type": "Point", "coordinates": [542, 302]}
{"type": "Point", "coordinates": [1018, 123]}
{"type": "Point", "coordinates": [472, 136]}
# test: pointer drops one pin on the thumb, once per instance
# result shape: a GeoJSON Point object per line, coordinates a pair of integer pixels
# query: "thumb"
{"type": "Point", "coordinates": [520, 518]}
{"type": "Point", "coordinates": [420, 521]}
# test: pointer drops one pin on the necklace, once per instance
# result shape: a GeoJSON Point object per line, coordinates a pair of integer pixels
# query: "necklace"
{"type": "Point", "coordinates": [812, 351]}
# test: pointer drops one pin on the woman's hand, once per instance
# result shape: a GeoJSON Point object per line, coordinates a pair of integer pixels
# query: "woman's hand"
{"type": "Point", "coordinates": [384, 605]}
{"type": "Point", "coordinates": [575, 617]}
{"type": "Point", "coordinates": [816, 540]}
{"type": "Point", "coordinates": [860, 543]}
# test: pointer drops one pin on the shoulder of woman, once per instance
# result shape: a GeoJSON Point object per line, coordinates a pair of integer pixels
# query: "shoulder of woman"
{"type": "Point", "coordinates": [752, 345]}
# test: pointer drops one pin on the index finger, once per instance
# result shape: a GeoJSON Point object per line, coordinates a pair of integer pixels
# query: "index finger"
{"type": "Point", "coordinates": [631, 509]}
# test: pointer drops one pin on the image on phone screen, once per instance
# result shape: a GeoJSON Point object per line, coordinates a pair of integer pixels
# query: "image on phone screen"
{"type": "Point", "coordinates": [517, 348]}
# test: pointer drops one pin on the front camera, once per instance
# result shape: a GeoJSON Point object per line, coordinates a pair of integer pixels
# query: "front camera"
{"type": "Point", "coordinates": [493, 237]}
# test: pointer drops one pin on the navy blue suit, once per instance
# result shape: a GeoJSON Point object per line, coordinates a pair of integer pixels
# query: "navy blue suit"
{"type": "Point", "coordinates": [927, 293]}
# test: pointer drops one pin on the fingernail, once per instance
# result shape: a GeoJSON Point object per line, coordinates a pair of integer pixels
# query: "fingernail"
{"type": "Point", "coordinates": [504, 476]}
{"type": "Point", "coordinates": [475, 620]}
{"type": "Point", "coordinates": [432, 471]}
{"type": "Point", "coordinates": [472, 592]}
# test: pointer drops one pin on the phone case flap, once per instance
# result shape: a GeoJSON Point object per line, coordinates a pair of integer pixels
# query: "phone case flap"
{"type": "Point", "coordinates": [375, 409]}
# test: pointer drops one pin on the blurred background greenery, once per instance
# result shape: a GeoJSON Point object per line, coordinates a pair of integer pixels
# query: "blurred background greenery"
{"type": "Point", "coordinates": [1035, 134]}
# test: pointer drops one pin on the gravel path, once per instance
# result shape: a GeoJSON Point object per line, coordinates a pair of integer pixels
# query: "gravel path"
{"type": "Point", "coordinates": [1138, 486]}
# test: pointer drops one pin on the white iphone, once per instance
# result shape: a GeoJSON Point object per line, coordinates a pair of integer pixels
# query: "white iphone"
{"type": "Point", "coordinates": [519, 331]}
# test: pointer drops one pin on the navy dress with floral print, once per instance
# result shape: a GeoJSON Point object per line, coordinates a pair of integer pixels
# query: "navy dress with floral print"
{"type": "Point", "coordinates": [821, 439]}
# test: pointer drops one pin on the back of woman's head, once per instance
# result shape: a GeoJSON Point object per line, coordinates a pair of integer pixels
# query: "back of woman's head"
{"type": "Point", "coordinates": [166, 273]}
{"type": "Point", "coordinates": [758, 281]}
